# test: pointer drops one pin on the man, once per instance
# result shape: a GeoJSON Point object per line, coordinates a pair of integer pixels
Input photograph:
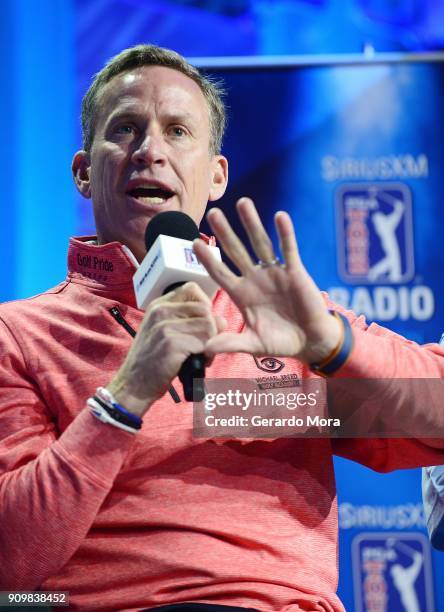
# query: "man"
{"type": "Point", "coordinates": [130, 522]}
{"type": "Point", "coordinates": [433, 498]}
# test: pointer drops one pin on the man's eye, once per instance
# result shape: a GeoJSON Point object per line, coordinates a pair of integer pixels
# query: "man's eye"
{"type": "Point", "coordinates": [125, 129]}
{"type": "Point", "coordinates": [178, 131]}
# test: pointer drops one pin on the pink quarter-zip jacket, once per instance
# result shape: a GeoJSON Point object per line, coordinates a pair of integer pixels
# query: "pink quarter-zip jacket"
{"type": "Point", "coordinates": [126, 522]}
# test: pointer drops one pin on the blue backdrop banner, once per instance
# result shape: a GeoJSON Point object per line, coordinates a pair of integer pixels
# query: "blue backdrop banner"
{"type": "Point", "coordinates": [353, 150]}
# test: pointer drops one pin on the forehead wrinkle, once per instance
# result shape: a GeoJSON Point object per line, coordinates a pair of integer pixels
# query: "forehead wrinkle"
{"type": "Point", "coordinates": [125, 93]}
{"type": "Point", "coordinates": [138, 80]}
{"type": "Point", "coordinates": [128, 110]}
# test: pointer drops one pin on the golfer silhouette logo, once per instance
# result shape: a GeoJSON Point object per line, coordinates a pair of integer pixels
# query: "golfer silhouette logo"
{"type": "Point", "coordinates": [385, 225]}
{"type": "Point", "coordinates": [374, 234]}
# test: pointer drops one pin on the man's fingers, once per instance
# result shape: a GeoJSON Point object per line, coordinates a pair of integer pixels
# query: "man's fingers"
{"type": "Point", "coordinates": [177, 310]}
{"type": "Point", "coordinates": [188, 292]}
{"type": "Point", "coordinates": [221, 323]}
{"type": "Point", "coordinates": [175, 339]}
{"type": "Point", "coordinates": [257, 235]}
{"type": "Point", "coordinates": [287, 240]}
{"type": "Point", "coordinates": [198, 328]}
{"type": "Point", "coordinates": [216, 269]}
{"type": "Point", "coordinates": [229, 342]}
{"type": "Point", "coordinates": [232, 246]}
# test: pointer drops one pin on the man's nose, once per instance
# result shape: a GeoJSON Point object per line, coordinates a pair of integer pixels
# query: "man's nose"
{"type": "Point", "coordinates": [149, 150]}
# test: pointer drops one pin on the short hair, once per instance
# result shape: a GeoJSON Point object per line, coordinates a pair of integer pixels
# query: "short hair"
{"type": "Point", "coordinates": [152, 55]}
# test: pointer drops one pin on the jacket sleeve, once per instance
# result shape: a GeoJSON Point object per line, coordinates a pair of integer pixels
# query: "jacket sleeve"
{"type": "Point", "coordinates": [433, 498]}
{"type": "Point", "coordinates": [51, 488]}
{"type": "Point", "coordinates": [403, 383]}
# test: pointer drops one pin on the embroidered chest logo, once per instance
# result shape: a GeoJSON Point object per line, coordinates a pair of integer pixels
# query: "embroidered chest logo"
{"type": "Point", "coordinates": [272, 365]}
{"type": "Point", "coordinates": [269, 364]}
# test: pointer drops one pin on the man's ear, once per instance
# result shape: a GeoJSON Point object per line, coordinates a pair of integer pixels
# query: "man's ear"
{"type": "Point", "coordinates": [81, 172]}
{"type": "Point", "coordinates": [219, 177]}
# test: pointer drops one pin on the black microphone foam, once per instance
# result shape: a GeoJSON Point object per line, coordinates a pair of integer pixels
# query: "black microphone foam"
{"type": "Point", "coordinates": [170, 223]}
{"type": "Point", "coordinates": [179, 225]}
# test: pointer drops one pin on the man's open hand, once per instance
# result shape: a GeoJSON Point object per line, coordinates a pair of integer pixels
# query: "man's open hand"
{"type": "Point", "coordinates": [284, 311]}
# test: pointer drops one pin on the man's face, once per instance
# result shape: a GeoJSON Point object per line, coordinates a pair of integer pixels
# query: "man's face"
{"type": "Point", "coordinates": [150, 154]}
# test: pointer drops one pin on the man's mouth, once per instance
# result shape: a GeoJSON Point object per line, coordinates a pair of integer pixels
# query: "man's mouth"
{"type": "Point", "coordinates": [150, 195]}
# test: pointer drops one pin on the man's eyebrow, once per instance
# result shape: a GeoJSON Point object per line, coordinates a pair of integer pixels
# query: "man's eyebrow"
{"type": "Point", "coordinates": [124, 112]}
{"type": "Point", "coordinates": [180, 116]}
{"type": "Point", "coordinates": [175, 116]}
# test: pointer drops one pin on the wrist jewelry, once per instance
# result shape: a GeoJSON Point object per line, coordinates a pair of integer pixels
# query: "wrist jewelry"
{"type": "Point", "coordinates": [104, 407]}
{"type": "Point", "coordinates": [339, 355]}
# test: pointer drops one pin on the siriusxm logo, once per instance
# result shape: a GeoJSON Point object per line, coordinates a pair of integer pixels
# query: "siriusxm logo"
{"type": "Point", "coordinates": [375, 235]}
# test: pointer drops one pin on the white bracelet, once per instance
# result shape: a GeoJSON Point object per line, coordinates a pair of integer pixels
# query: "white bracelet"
{"type": "Point", "coordinates": [104, 394]}
{"type": "Point", "coordinates": [100, 413]}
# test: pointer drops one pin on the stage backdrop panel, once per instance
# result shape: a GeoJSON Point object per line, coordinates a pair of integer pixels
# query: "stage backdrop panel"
{"type": "Point", "coordinates": [353, 150]}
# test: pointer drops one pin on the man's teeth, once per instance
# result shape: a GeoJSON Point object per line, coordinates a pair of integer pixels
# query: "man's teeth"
{"type": "Point", "coordinates": [151, 199]}
{"type": "Point", "coordinates": [151, 195]}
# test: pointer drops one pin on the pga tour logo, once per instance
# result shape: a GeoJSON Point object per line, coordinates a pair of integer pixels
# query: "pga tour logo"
{"type": "Point", "coordinates": [375, 233]}
{"type": "Point", "coordinates": [392, 572]}
{"type": "Point", "coordinates": [190, 257]}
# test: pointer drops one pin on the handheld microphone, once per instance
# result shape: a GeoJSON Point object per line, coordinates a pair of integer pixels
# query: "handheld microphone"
{"type": "Point", "coordinates": [169, 263]}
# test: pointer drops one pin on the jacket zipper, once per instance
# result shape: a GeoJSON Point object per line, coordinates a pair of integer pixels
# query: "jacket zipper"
{"type": "Point", "coordinates": [117, 315]}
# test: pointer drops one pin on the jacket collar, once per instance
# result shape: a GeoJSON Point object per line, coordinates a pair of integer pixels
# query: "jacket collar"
{"type": "Point", "coordinates": [106, 267]}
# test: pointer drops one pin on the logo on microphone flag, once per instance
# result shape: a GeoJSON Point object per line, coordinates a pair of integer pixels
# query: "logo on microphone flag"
{"type": "Point", "coordinates": [375, 233]}
{"type": "Point", "coordinates": [190, 257]}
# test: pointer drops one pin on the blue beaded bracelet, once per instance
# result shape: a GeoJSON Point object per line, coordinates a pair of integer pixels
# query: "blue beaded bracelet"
{"type": "Point", "coordinates": [341, 353]}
